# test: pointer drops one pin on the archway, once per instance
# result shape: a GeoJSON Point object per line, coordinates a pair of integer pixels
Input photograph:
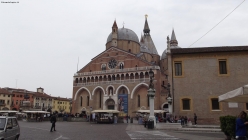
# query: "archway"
{"type": "Point", "coordinates": [98, 94]}
{"type": "Point", "coordinates": [122, 94]}
{"type": "Point", "coordinates": [110, 103]}
{"type": "Point", "coordinates": [81, 99]}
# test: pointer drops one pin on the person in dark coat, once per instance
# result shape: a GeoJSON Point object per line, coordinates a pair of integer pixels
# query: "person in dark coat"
{"type": "Point", "coordinates": [241, 124]}
{"type": "Point", "coordinates": [53, 121]}
{"type": "Point", "coordinates": [195, 119]}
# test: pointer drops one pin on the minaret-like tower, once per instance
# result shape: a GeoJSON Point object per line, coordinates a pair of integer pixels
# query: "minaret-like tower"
{"type": "Point", "coordinates": [146, 27]}
{"type": "Point", "coordinates": [147, 39]}
{"type": "Point", "coordinates": [173, 41]}
{"type": "Point", "coordinates": [114, 34]}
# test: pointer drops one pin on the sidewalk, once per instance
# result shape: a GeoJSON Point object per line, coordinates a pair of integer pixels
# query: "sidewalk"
{"type": "Point", "coordinates": [174, 126]}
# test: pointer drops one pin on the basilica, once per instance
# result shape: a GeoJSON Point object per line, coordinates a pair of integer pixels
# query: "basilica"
{"type": "Point", "coordinates": [186, 80]}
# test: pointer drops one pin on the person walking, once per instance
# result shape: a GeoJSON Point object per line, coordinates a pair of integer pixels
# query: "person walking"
{"type": "Point", "coordinates": [241, 126]}
{"type": "Point", "coordinates": [53, 121]}
{"type": "Point", "coordinates": [195, 119]}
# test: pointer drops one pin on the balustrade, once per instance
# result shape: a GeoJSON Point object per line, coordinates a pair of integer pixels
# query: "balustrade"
{"type": "Point", "coordinates": [114, 82]}
{"type": "Point", "coordinates": [117, 70]}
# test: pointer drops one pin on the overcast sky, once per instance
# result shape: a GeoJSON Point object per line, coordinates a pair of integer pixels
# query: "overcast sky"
{"type": "Point", "coordinates": [41, 40]}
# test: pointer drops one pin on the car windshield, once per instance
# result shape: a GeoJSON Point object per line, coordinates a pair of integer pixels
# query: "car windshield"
{"type": "Point", "coordinates": [2, 123]}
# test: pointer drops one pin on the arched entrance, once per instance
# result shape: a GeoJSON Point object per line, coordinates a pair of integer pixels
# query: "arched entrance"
{"type": "Point", "coordinates": [110, 103]}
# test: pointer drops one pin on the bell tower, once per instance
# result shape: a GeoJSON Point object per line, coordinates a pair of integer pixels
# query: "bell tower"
{"type": "Point", "coordinates": [114, 34]}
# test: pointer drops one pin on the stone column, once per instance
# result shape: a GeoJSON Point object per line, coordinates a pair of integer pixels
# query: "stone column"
{"type": "Point", "coordinates": [151, 94]}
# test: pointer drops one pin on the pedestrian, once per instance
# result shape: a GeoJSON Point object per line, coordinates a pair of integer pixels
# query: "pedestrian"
{"type": "Point", "coordinates": [127, 118]}
{"type": "Point", "coordinates": [241, 126]}
{"type": "Point", "coordinates": [53, 121]}
{"type": "Point", "coordinates": [145, 121]}
{"type": "Point", "coordinates": [195, 119]}
{"type": "Point", "coordinates": [185, 120]}
{"type": "Point", "coordinates": [182, 120]}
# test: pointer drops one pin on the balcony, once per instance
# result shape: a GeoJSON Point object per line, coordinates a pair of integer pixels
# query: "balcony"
{"type": "Point", "coordinates": [2, 104]}
{"type": "Point", "coordinates": [142, 80]}
{"type": "Point", "coordinates": [117, 70]}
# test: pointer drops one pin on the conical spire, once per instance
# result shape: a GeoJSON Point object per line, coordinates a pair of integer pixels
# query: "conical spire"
{"type": "Point", "coordinates": [146, 40]}
{"type": "Point", "coordinates": [146, 27]}
{"type": "Point", "coordinates": [173, 41]}
{"type": "Point", "coordinates": [173, 36]}
{"type": "Point", "coordinates": [114, 25]}
{"type": "Point", "coordinates": [141, 38]}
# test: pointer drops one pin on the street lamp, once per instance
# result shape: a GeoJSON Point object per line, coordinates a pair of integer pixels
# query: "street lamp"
{"type": "Point", "coordinates": [169, 99]}
{"type": "Point", "coordinates": [151, 94]}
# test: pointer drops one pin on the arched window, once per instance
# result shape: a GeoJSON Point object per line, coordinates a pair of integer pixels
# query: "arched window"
{"type": "Point", "coordinates": [148, 101]}
{"type": "Point", "coordinates": [88, 101]}
{"type": "Point", "coordinates": [103, 67]}
{"type": "Point", "coordinates": [100, 99]}
{"type": "Point", "coordinates": [81, 101]}
{"type": "Point", "coordinates": [138, 100]}
{"type": "Point", "coordinates": [121, 66]}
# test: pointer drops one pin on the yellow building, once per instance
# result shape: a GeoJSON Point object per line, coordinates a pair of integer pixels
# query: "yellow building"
{"type": "Point", "coordinates": [61, 105]}
{"type": "Point", "coordinates": [5, 99]}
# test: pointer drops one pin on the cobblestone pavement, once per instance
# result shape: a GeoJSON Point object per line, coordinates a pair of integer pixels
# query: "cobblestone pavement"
{"type": "Point", "coordinates": [91, 131]}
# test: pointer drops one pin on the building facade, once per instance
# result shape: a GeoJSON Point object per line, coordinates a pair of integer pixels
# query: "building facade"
{"type": "Point", "coordinates": [42, 101]}
{"type": "Point", "coordinates": [200, 75]}
{"type": "Point", "coordinates": [61, 105]}
{"type": "Point", "coordinates": [19, 97]}
{"type": "Point", "coordinates": [5, 99]}
{"type": "Point", "coordinates": [118, 77]}
{"type": "Point", "coordinates": [187, 80]}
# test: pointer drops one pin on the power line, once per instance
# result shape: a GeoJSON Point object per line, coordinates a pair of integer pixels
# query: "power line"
{"type": "Point", "coordinates": [218, 23]}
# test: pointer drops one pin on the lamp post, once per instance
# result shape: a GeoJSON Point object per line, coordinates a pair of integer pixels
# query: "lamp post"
{"type": "Point", "coordinates": [169, 99]}
{"type": "Point", "coordinates": [151, 94]}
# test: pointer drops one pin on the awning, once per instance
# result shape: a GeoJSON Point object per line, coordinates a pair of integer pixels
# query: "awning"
{"type": "Point", "coordinates": [8, 111]}
{"type": "Point", "coordinates": [239, 95]}
{"type": "Point", "coordinates": [105, 111]}
{"type": "Point", "coordinates": [148, 111]}
{"type": "Point", "coordinates": [44, 112]}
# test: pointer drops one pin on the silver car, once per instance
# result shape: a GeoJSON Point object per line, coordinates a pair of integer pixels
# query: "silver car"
{"type": "Point", "coordinates": [9, 128]}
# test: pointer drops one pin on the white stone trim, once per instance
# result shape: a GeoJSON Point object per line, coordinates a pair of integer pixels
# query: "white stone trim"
{"type": "Point", "coordinates": [164, 104]}
{"type": "Point", "coordinates": [108, 87]}
{"type": "Point", "coordinates": [75, 97]}
{"type": "Point", "coordinates": [116, 92]}
{"type": "Point", "coordinates": [97, 88]}
{"type": "Point", "coordinates": [137, 87]}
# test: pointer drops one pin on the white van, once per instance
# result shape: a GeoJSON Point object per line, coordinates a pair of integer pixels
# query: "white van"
{"type": "Point", "coordinates": [9, 128]}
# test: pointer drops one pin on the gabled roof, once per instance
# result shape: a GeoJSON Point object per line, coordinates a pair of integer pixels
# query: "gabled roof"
{"type": "Point", "coordinates": [209, 49]}
{"type": "Point", "coordinates": [61, 99]}
{"type": "Point", "coordinates": [38, 94]}
{"type": "Point", "coordinates": [134, 55]}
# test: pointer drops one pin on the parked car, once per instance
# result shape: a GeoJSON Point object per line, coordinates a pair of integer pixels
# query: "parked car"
{"type": "Point", "coordinates": [9, 128]}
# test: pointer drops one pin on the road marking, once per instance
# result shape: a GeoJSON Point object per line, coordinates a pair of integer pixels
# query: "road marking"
{"type": "Point", "coordinates": [47, 130]}
{"type": "Point", "coordinates": [150, 135]}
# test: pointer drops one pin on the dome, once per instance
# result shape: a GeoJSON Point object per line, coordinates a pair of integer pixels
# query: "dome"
{"type": "Point", "coordinates": [163, 55]}
{"type": "Point", "coordinates": [125, 34]}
